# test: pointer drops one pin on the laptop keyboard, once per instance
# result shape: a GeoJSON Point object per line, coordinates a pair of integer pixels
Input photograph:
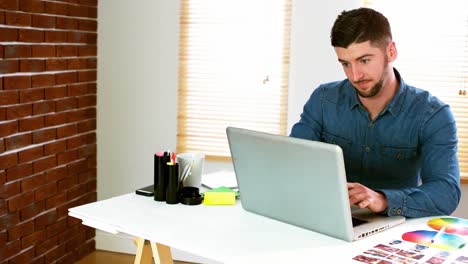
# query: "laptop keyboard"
{"type": "Point", "coordinates": [357, 222]}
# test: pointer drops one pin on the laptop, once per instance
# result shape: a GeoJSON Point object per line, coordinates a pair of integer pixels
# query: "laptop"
{"type": "Point", "coordinates": [299, 182]}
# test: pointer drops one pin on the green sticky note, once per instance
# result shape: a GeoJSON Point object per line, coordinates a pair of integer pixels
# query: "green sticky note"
{"type": "Point", "coordinates": [223, 189]}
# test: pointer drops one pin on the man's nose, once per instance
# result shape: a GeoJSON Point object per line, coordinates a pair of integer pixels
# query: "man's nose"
{"type": "Point", "coordinates": [356, 73]}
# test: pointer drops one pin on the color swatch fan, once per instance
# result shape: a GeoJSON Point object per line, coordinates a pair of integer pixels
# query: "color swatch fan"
{"type": "Point", "coordinates": [454, 226]}
{"type": "Point", "coordinates": [435, 239]}
{"type": "Point", "coordinates": [447, 237]}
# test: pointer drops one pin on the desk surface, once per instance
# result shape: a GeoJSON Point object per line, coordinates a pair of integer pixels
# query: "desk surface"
{"type": "Point", "coordinates": [226, 234]}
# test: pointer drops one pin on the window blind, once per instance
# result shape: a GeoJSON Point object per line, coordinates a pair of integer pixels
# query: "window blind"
{"type": "Point", "coordinates": [432, 43]}
{"type": "Point", "coordinates": [233, 71]}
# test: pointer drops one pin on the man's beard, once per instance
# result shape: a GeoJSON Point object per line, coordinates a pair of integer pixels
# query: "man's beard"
{"type": "Point", "coordinates": [377, 87]}
{"type": "Point", "coordinates": [372, 92]}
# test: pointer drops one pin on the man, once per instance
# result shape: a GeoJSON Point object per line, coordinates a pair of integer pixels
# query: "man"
{"type": "Point", "coordinates": [399, 142]}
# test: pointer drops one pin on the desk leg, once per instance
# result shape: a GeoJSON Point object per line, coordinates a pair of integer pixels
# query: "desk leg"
{"type": "Point", "coordinates": [143, 255]}
{"type": "Point", "coordinates": [161, 253]}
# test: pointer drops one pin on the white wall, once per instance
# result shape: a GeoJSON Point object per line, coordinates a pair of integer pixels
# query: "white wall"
{"type": "Point", "coordinates": [137, 88]}
{"type": "Point", "coordinates": [313, 60]}
{"type": "Point", "coordinates": [137, 98]}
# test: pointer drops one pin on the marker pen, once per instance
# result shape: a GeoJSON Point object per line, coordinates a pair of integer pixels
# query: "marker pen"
{"type": "Point", "coordinates": [172, 183]}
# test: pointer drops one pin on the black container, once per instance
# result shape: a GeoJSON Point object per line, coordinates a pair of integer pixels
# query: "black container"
{"type": "Point", "coordinates": [172, 183]}
{"type": "Point", "coordinates": [160, 175]}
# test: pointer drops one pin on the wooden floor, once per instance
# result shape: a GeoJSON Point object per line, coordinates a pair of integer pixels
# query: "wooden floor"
{"type": "Point", "coordinates": [106, 257]}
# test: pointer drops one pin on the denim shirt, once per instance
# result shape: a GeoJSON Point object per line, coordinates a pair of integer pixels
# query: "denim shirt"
{"type": "Point", "coordinates": [408, 153]}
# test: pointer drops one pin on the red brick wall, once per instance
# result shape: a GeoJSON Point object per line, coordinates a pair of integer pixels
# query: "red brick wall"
{"type": "Point", "coordinates": [47, 128]}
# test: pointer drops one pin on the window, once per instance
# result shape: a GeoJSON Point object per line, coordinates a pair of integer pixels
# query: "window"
{"type": "Point", "coordinates": [432, 43]}
{"type": "Point", "coordinates": [233, 71]}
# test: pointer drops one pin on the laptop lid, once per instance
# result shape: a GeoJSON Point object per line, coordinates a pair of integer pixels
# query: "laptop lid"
{"type": "Point", "coordinates": [297, 181]}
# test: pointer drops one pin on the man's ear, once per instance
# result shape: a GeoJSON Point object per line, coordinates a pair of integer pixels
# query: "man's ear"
{"type": "Point", "coordinates": [392, 52]}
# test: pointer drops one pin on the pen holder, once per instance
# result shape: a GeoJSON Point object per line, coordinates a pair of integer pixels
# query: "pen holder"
{"type": "Point", "coordinates": [172, 183]}
{"type": "Point", "coordinates": [191, 168]}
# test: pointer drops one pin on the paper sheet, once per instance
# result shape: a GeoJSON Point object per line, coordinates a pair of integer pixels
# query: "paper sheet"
{"type": "Point", "coordinates": [217, 179]}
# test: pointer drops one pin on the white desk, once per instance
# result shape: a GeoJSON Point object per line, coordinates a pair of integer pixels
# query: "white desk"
{"type": "Point", "coordinates": [225, 234]}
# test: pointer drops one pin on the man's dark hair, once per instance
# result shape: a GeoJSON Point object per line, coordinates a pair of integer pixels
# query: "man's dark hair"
{"type": "Point", "coordinates": [360, 25]}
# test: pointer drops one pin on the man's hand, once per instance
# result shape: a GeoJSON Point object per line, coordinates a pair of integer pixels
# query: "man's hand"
{"type": "Point", "coordinates": [362, 197]}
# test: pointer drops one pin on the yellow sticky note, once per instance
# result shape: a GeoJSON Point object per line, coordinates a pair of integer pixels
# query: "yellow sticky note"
{"type": "Point", "coordinates": [219, 198]}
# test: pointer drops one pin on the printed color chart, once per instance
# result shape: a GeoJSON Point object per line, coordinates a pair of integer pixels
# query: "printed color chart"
{"type": "Point", "coordinates": [444, 241]}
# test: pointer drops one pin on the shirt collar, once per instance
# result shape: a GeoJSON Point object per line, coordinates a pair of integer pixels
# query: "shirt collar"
{"type": "Point", "coordinates": [354, 101]}
{"type": "Point", "coordinates": [395, 105]}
